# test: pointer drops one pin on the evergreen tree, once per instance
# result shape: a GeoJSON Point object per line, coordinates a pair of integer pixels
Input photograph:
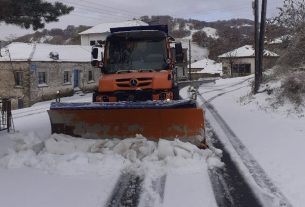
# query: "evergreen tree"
{"type": "Point", "coordinates": [35, 13]}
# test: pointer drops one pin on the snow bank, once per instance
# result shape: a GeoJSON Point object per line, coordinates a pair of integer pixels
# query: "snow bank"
{"type": "Point", "coordinates": [68, 155]}
{"type": "Point", "coordinates": [277, 145]}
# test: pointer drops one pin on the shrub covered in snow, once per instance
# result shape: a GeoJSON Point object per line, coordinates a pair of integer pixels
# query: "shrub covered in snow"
{"type": "Point", "coordinates": [293, 87]}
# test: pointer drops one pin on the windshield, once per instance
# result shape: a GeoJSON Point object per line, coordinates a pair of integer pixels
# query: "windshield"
{"type": "Point", "coordinates": [136, 54]}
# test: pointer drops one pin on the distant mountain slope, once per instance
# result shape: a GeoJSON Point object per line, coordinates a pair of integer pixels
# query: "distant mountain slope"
{"type": "Point", "coordinates": [68, 36]}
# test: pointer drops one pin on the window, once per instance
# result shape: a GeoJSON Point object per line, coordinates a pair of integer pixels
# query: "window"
{"type": "Point", "coordinates": [242, 69]}
{"type": "Point", "coordinates": [42, 77]}
{"type": "Point", "coordinates": [20, 103]}
{"type": "Point", "coordinates": [66, 77]}
{"type": "Point", "coordinates": [18, 78]}
{"type": "Point", "coordinates": [100, 42]}
{"type": "Point", "coordinates": [90, 76]}
{"type": "Point", "coordinates": [92, 42]}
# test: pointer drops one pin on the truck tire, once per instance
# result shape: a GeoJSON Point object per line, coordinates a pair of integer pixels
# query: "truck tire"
{"type": "Point", "coordinates": [176, 95]}
{"type": "Point", "coordinates": [94, 95]}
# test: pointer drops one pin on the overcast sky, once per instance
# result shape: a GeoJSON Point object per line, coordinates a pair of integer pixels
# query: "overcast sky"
{"type": "Point", "coordinates": [92, 12]}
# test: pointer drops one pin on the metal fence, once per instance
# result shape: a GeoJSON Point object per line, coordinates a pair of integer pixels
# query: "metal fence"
{"type": "Point", "coordinates": [6, 114]}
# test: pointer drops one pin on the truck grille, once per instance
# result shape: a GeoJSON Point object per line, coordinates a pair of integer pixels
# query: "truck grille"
{"type": "Point", "coordinates": [125, 83]}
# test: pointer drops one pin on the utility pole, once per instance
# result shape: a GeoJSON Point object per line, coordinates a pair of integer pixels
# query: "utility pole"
{"type": "Point", "coordinates": [262, 39]}
{"type": "Point", "coordinates": [0, 48]}
{"type": "Point", "coordinates": [256, 44]}
{"type": "Point", "coordinates": [190, 60]}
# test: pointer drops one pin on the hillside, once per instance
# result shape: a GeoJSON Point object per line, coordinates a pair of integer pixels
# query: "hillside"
{"type": "Point", "coordinates": [68, 36]}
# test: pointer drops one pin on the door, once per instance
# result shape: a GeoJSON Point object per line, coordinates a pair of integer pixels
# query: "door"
{"type": "Point", "coordinates": [75, 78]}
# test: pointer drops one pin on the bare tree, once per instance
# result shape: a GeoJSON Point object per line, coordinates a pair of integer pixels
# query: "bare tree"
{"type": "Point", "coordinates": [291, 16]}
{"type": "Point", "coordinates": [231, 57]}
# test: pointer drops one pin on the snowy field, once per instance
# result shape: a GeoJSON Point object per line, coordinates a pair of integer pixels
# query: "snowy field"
{"type": "Point", "coordinates": [40, 169]}
{"type": "Point", "coordinates": [274, 137]}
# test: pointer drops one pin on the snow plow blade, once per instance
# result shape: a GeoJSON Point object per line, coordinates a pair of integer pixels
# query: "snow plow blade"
{"type": "Point", "coordinates": [167, 120]}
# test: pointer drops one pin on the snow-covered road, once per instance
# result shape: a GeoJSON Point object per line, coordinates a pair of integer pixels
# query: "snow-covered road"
{"type": "Point", "coordinates": [40, 169]}
{"type": "Point", "coordinates": [252, 130]}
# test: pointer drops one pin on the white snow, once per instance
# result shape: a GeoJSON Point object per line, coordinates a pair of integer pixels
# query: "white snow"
{"type": "Point", "coordinates": [209, 31]}
{"type": "Point", "coordinates": [105, 27]}
{"type": "Point", "coordinates": [41, 169]}
{"type": "Point", "coordinates": [239, 26]}
{"type": "Point", "coordinates": [45, 38]}
{"type": "Point", "coordinates": [246, 51]}
{"type": "Point", "coordinates": [275, 137]}
{"type": "Point", "coordinates": [208, 66]}
{"type": "Point", "coordinates": [280, 39]}
{"type": "Point", "coordinates": [197, 52]}
{"type": "Point", "coordinates": [18, 51]}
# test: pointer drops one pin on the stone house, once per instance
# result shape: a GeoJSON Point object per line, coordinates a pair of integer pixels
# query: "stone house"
{"type": "Point", "coordinates": [99, 32]}
{"type": "Point", "coordinates": [241, 61]}
{"type": "Point", "coordinates": [34, 72]}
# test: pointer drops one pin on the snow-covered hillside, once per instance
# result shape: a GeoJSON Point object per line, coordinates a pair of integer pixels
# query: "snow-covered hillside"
{"type": "Point", "coordinates": [209, 31]}
{"type": "Point", "coordinates": [197, 52]}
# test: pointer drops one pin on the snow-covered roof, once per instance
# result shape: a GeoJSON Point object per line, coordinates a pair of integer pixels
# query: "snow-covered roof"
{"type": "Point", "coordinates": [18, 51]}
{"type": "Point", "coordinates": [208, 66]}
{"type": "Point", "coordinates": [246, 51]}
{"type": "Point", "coordinates": [105, 27]}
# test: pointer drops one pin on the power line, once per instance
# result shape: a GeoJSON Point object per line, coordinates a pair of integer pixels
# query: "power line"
{"type": "Point", "coordinates": [223, 9]}
{"type": "Point", "coordinates": [109, 13]}
{"type": "Point", "coordinates": [98, 13]}
{"type": "Point", "coordinates": [123, 10]}
{"type": "Point", "coordinates": [98, 9]}
{"type": "Point", "coordinates": [91, 17]}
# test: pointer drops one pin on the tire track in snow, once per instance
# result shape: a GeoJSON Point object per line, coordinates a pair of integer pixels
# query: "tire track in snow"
{"type": "Point", "coordinates": [229, 86]}
{"type": "Point", "coordinates": [229, 187]}
{"type": "Point", "coordinates": [159, 186]}
{"type": "Point", "coordinates": [256, 171]}
{"type": "Point", "coordinates": [30, 112]}
{"type": "Point", "coordinates": [127, 191]}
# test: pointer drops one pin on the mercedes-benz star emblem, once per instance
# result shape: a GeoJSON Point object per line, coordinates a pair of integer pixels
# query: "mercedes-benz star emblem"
{"type": "Point", "coordinates": [133, 82]}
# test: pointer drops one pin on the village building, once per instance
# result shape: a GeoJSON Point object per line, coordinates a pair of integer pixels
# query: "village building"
{"type": "Point", "coordinates": [34, 72]}
{"type": "Point", "coordinates": [98, 33]}
{"type": "Point", "coordinates": [241, 61]}
{"type": "Point", "coordinates": [205, 68]}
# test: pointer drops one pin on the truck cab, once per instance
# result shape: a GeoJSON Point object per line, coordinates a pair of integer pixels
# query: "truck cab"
{"type": "Point", "coordinates": [137, 65]}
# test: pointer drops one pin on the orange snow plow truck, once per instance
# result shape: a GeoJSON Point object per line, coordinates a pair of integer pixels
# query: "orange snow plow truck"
{"type": "Point", "coordinates": [137, 92]}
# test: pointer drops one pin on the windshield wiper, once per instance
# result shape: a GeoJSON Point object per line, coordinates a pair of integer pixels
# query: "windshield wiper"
{"type": "Point", "coordinates": [126, 71]}
{"type": "Point", "coordinates": [149, 70]}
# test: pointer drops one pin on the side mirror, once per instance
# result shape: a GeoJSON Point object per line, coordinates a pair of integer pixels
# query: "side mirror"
{"type": "Point", "coordinates": [94, 53]}
{"type": "Point", "coordinates": [97, 57]}
{"type": "Point", "coordinates": [178, 52]}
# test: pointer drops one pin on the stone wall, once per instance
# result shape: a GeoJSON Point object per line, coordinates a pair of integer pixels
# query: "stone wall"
{"type": "Point", "coordinates": [8, 88]}
{"type": "Point", "coordinates": [55, 79]}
